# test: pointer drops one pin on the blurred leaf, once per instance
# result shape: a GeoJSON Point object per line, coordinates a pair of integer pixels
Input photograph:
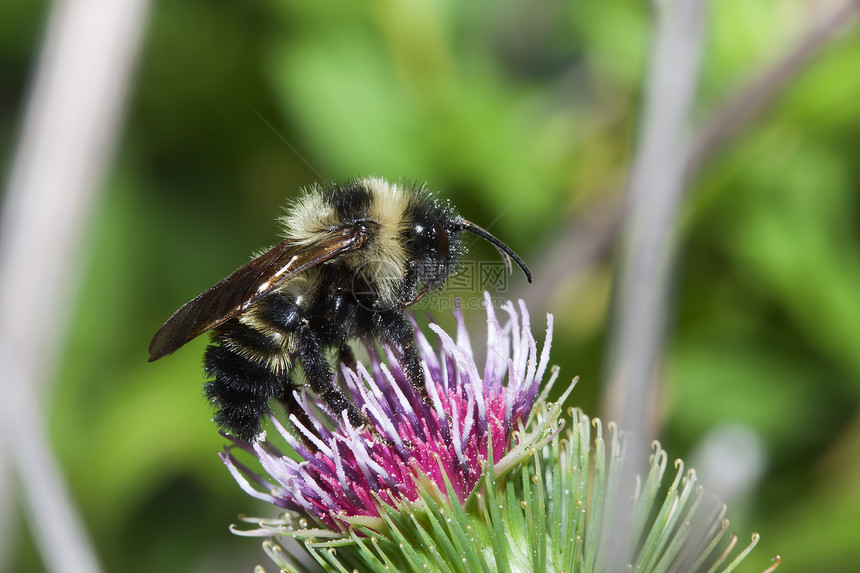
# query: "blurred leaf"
{"type": "Point", "coordinates": [797, 242]}
{"type": "Point", "coordinates": [817, 530]}
{"type": "Point", "coordinates": [720, 377]}
{"type": "Point", "coordinates": [402, 99]}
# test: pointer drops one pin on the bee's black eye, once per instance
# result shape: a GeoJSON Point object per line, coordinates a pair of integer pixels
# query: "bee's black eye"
{"type": "Point", "coordinates": [422, 233]}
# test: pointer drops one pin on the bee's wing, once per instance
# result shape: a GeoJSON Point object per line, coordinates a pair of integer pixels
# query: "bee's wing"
{"type": "Point", "coordinates": [247, 284]}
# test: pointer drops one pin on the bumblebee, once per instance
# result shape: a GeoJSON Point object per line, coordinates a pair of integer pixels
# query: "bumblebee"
{"type": "Point", "coordinates": [354, 257]}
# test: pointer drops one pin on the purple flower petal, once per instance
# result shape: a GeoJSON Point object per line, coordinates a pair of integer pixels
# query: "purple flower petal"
{"type": "Point", "coordinates": [346, 472]}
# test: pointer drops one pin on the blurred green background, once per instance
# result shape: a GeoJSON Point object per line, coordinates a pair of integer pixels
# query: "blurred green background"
{"type": "Point", "coordinates": [525, 116]}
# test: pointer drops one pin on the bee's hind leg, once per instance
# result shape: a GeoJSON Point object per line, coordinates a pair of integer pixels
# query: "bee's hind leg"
{"type": "Point", "coordinates": [292, 407]}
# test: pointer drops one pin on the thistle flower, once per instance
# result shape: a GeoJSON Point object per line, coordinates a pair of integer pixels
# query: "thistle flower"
{"type": "Point", "coordinates": [347, 475]}
{"type": "Point", "coordinates": [476, 477]}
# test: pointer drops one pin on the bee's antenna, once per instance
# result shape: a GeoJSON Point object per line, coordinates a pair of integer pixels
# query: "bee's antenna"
{"type": "Point", "coordinates": [504, 250]}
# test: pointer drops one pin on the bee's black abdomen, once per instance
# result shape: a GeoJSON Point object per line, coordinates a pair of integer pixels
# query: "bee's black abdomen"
{"type": "Point", "coordinates": [240, 390]}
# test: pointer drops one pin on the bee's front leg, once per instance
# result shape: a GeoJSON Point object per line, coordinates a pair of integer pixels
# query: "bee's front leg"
{"type": "Point", "coordinates": [321, 380]}
{"type": "Point", "coordinates": [346, 356]}
{"type": "Point", "coordinates": [393, 326]}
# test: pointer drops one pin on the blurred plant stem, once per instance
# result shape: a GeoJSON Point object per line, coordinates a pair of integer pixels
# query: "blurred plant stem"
{"type": "Point", "coordinates": [592, 234]}
{"type": "Point", "coordinates": [654, 194]}
{"type": "Point", "coordinates": [662, 168]}
{"type": "Point", "coordinates": [751, 101]}
{"type": "Point", "coordinates": [64, 147]}
{"type": "Point", "coordinates": [663, 165]}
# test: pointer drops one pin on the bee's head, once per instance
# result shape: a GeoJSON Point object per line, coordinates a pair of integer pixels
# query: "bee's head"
{"type": "Point", "coordinates": [435, 237]}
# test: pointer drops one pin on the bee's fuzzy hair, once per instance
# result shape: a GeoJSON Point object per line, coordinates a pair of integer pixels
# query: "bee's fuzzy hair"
{"type": "Point", "coordinates": [319, 210]}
